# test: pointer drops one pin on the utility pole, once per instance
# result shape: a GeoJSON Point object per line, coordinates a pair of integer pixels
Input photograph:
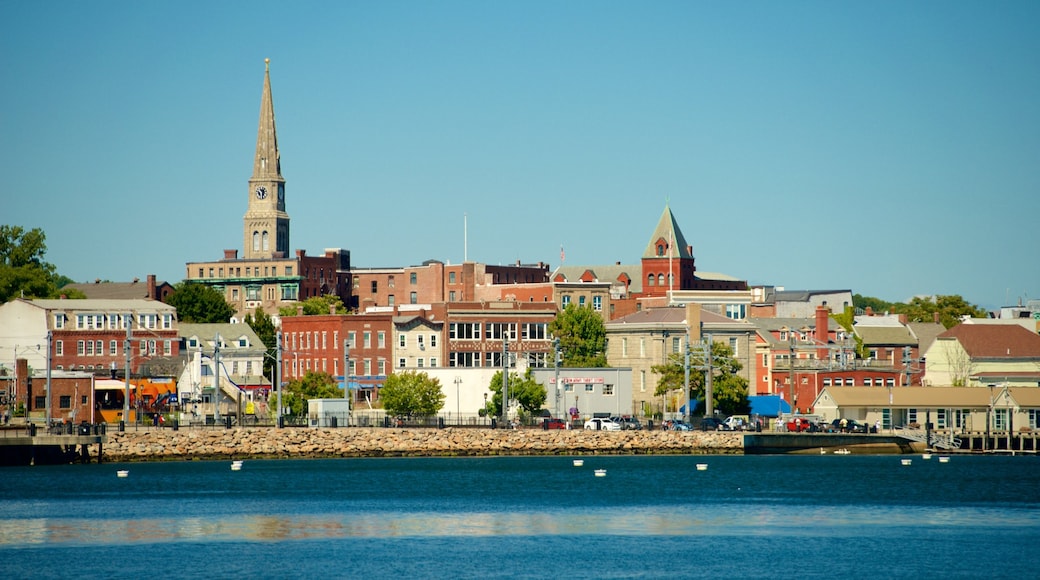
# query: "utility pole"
{"type": "Point", "coordinates": [47, 407]}
{"type": "Point", "coordinates": [346, 379]}
{"type": "Point", "coordinates": [709, 395]}
{"type": "Point", "coordinates": [505, 379]}
{"type": "Point", "coordinates": [216, 380]}
{"type": "Point", "coordinates": [128, 321]}
{"type": "Point", "coordinates": [278, 378]}
{"type": "Point", "coordinates": [686, 380]}
{"type": "Point", "coordinates": [557, 355]}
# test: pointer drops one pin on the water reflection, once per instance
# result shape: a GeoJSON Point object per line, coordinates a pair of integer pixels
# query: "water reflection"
{"type": "Point", "coordinates": [655, 521]}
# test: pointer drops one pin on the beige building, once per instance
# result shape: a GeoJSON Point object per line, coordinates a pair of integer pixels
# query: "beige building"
{"type": "Point", "coordinates": [981, 355]}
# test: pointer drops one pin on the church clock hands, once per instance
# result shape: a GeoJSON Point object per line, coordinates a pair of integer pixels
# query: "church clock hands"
{"type": "Point", "coordinates": [261, 192]}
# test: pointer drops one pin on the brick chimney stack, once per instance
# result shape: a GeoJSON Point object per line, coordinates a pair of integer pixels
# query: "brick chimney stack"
{"type": "Point", "coordinates": [151, 287]}
{"type": "Point", "coordinates": [822, 317]}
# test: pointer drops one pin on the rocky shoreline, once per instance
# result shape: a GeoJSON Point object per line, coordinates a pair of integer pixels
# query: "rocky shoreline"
{"type": "Point", "coordinates": [301, 443]}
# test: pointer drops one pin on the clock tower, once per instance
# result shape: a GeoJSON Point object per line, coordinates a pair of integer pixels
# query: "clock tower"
{"type": "Point", "coordinates": [266, 225]}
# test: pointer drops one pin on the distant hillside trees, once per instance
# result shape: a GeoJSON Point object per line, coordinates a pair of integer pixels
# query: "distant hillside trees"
{"type": "Point", "coordinates": [951, 308]}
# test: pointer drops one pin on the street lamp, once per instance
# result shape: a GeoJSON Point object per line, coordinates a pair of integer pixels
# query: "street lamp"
{"type": "Point", "coordinates": [458, 412]}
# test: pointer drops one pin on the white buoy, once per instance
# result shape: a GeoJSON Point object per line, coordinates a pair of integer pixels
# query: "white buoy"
{"type": "Point", "coordinates": [236, 467]}
{"type": "Point", "coordinates": [122, 473]}
{"type": "Point", "coordinates": [702, 467]}
{"type": "Point", "coordinates": [906, 462]}
{"type": "Point", "coordinates": [944, 459]}
{"type": "Point", "coordinates": [601, 473]}
{"type": "Point", "coordinates": [579, 462]}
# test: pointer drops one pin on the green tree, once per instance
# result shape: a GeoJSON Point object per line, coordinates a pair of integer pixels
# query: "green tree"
{"type": "Point", "coordinates": [297, 392]}
{"type": "Point", "coordinates": [950, 309]}
{"type": "Point", "coordinates": [23, 270]}
{"type": "Point", "coordinates": [199, 303]}
{"type": "Point", "coordinates": [316, 306]}
{"type": "Point", "coordinates": [263, 326]}
{"type": "Point", "coordinates": [729, 389]}
{"type": "Point", "coordinates": [878, 305]}
{"type": "Point", "coordinates": [582, 335]}
{"type": "Point", "coordinates": [847, 320]}
{"type": "Point", "coordinates": [411, 394]}
{"type": "Point", "coordinates": [530, 395]}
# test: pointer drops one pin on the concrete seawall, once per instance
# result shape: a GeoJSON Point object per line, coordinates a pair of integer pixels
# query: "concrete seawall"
{"type": "Point", "coordinates": [298, 443]}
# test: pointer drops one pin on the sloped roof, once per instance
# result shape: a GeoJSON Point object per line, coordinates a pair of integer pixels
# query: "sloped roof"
{"type": "Point", "coordinates": [926, 333]}
{"type": "Point", "coordinates": [605, 273]}
{"type": "Point", "coordinates": [668, 229]}
{"type": "Point", "coordinates": [98, 304]}
{"type": "Point", "coordinates": [911, 397]}
{"type": "Point", "coordinates": [995, 341]}
{"type": "Point", "coordinates": [227, 331]}
{"type": "Point", "coordinates": [886, 335]}
{"type": "Point", "coordinates": [115, 290]}
{"type": "Point", "coordinates": [1025, 396]}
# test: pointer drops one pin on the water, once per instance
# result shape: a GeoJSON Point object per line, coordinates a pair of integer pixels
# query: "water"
{"type": "Point", "coordinates": [505, 517]}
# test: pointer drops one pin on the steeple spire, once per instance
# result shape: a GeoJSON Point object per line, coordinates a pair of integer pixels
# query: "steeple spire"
{"type": "Point", "coordinates": [267, 164]}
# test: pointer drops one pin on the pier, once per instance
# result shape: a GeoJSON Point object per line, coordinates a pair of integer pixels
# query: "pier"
{"type": "Point", "coordinates": [37, 444]}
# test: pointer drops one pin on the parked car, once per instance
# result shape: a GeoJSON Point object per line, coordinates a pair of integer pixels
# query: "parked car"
{"type": "Point", "coordinates": [713, 424]}
{"type": "Point", "coordinates": [602, 424]}
{"type": "Point", "coordinates": [801, 424]}
{"type": "Point", "coordinates": [850, 426]}
{"type": "Point", "coordinates": [554, 423]}
{"type": "Point", "coordinates": [676, 426]}
{"type": "Point", "coordinates": [735, 423]}
{"type": "Point", "coordinates": [628, 423]}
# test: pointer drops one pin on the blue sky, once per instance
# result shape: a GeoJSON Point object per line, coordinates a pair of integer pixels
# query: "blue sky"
{"type": "Point", "coordinates": [890, 148]}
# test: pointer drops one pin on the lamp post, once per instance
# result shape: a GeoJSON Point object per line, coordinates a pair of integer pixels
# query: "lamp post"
{"type": "Point", "coordinates": [458, 404]}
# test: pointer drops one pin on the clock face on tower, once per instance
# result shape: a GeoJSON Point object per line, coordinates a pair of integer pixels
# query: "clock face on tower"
{"type": "Point", "coordinates": [261, 192]}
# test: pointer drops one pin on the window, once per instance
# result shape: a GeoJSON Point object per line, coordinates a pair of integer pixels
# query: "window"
{"type": "Point", "coordinates": [99, 348]}
{"type": "Point", "coordinates": [433, 362]}
{"type": "Point", "coordinates": [464, 330]}
{"type": "Point", "coordinates": [581, 301]}
{"type": "Point", "coordinates": [650, 280]}
{"type": "Point", "coordinates": [65, 402]}
{"type": "Point", "coordinates": [419, 362]}
{"type": "Point", "coordinates": [412, 278]}
{"type": "Point", "coordinates": [589, 388]}
{"type": "Point", "coordinates": [413, 297]}
{"type": "Point", "coordinates": [390, 300]}
{"type": "Point", "coordinates": [59, 349]}
{"type": "Point", "coordinates": [402, 340]}
{"type": "Point", "coordinates": [566, 300]}
{"type": "Point", "coordinates": [624, 346]}
{"type": "Point", "coordinates": [375, 286]}
{"type": "Point", "coordinates": [400, 363]}
{"type": "Point", "coordinates": [890, 382]}
{"type": "Point", "coordinates": [608, 390]}
{"type": "Point", "coordinates": [389, 281]}
{"type": "Point", "coordinates": [736, 311]}
{"type": "Point", "coordinates": [451, 296]}
{"type": "Point", "coordinates": [568, 388]}
{"type": "Point", "coordinates": [167, 348]}
{"type": "Point", "coordinates": [733, 346]}
{"type": "Point", "coordinates": [422, 345]}
{"type": "Point", "coordinates": [59, 321]}
{"type": "Point", "coordinates": [675, 344]}
{"type": "Point", "coordinates": [451, 277]}
{"type": "Point", "coordinates": [597, 303]}
{"type": "Point", "coordinates": [433, 341]}
{"type": "Point", "coordinates": [351, 339]}
{"type": "Point", "coordinates": [366, 337]}
{"type": "Point", "coordinates": [253, 292]}
{"type": "Point", "coordinates": [381, 339]}
{"type": "Point", "coordinates": [80, 348]}
{"type": "Point", "coordinates": [827, 382]}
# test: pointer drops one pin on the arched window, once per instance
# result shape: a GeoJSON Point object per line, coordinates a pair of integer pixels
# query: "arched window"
{"type": "Point", "coordinates": [256, 241]}
{"type": "Point", "coordinates": [650, 280]}
{"type": "Point", "coordinates": [660, 279]}
{"type": "Point", "coordinates": [266, 242]}
{"type": "Point", "coordinates": [660, 249]}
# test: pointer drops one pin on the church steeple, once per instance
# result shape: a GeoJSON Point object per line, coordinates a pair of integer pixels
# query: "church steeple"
{"type": "Point", "coordinates": [668, 262]}
{"type": "Point", "coordinates": [266, 225]}
{"type": "Point", "coordinates": [267, 164]}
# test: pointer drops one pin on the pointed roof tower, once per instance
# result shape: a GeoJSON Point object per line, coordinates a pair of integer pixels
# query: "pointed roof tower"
{"type": "Point", "coordinates": [668, 263]}
{"type": "Point", "coordinates": [266, 224]}
{"type": "Point", "coordinates": [267, 164]}
{"type": "Point", "coordinates": [668, 231]}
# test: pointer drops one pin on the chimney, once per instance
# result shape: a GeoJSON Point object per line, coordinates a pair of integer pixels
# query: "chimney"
{"type": "Point", "coordinates": [151, 287]}
{"type": "Point", "coordinates": [822, 317]}
{"type": "Point", "coordinates": [935, 316]}
{"type": "Point", "coordinates": [902, 319]}
{"type": "Point", "coordinates": [230, 254]}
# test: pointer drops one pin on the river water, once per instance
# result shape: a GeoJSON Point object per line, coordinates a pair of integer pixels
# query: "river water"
{"type": "Point", "coordinates": [530, 517]}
